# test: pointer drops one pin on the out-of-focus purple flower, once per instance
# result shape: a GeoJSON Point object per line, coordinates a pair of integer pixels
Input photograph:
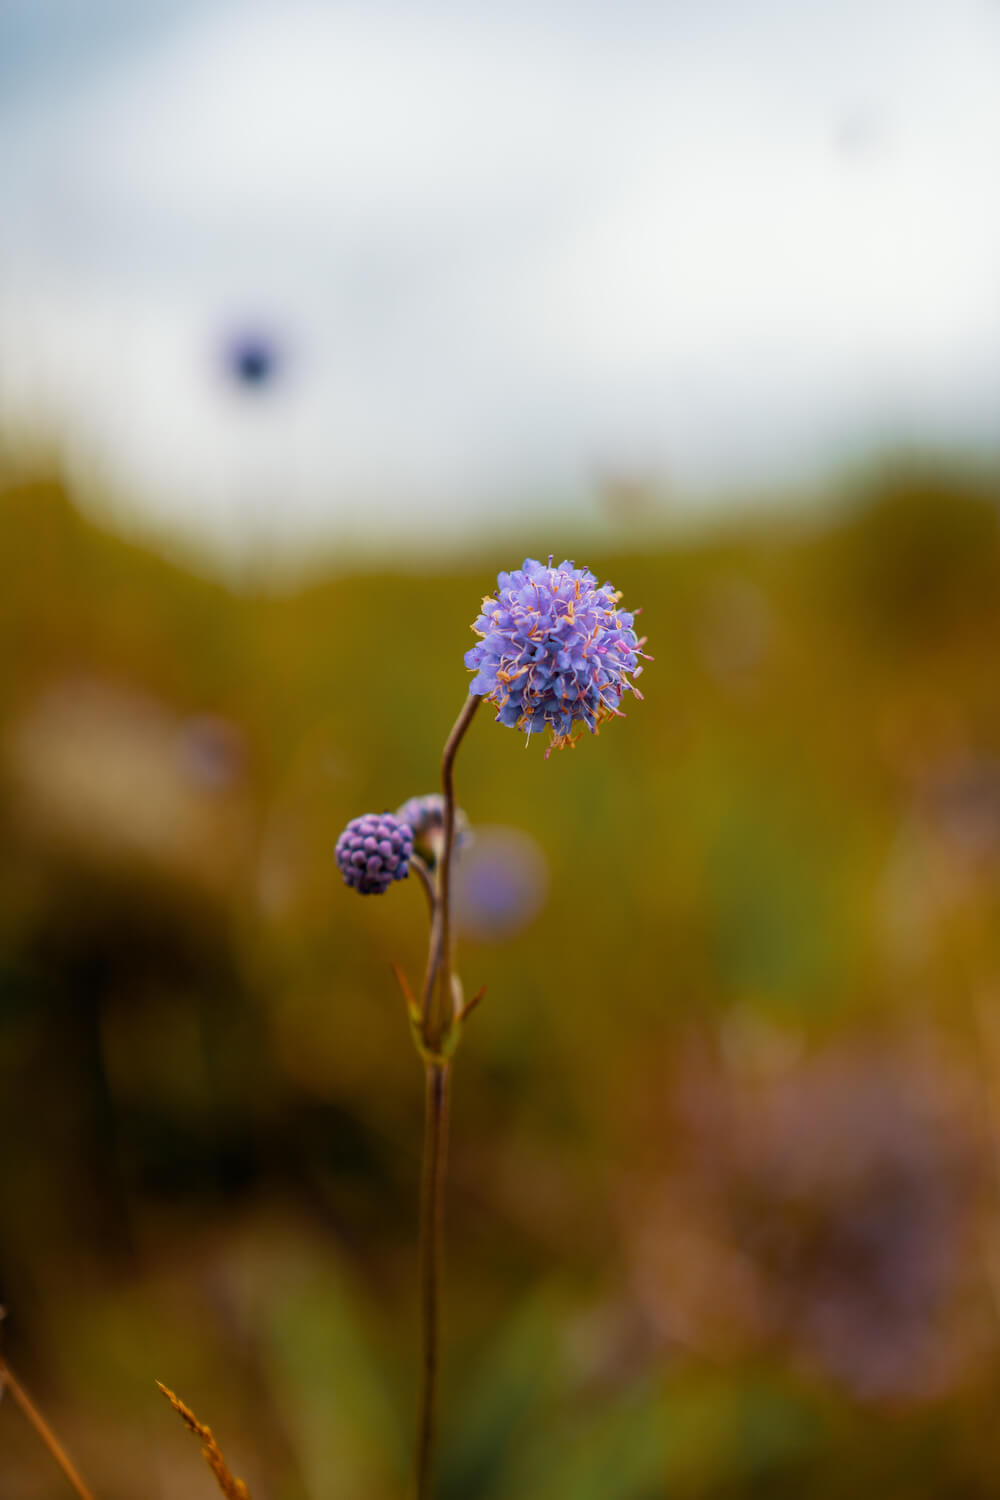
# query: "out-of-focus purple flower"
{"type": "Point", "coordinates": [961, 802]}
{"type": "Point", "coordinates": [503, 883]}
{"type": "Point", "coordinates": [252, 360]}
{"type": "Point", "coordinates": [425, 815]}
{"type": "Point", "coordinates": [850, 1180]}
{"type": "Point", "coordinates": [556, 652]}
{"type": "Point", "coordinates": [373, 851]}
{"type": "Point", "coordinates": [212, 751]}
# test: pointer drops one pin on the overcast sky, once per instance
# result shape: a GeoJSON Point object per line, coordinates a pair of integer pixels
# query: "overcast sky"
{"type": "Point", "coordinates": [502, 250]}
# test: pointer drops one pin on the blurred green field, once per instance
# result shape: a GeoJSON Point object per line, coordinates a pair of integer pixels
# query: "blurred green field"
{"type": "Point", "coordinates": [724, 1212]}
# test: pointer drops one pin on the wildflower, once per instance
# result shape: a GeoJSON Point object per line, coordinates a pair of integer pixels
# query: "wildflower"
{"type": "Point", "coordinates": [425, 815]}
{"type": "Point", "coordinates": [504, 884]}
{"type": "Point", "coordinates": [373, 851]}
{"type": "Point", "coordinates": [556, 651]}
{"type": "Point", "coordinates": [252, 360]}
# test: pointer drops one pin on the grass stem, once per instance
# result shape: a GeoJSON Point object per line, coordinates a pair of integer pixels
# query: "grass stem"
{"type": "Point", "coordinates": [38, 1422]}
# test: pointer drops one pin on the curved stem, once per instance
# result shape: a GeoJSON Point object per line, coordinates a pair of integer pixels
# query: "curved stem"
{"type": "Point", "coordinates": [431, 1258]}
{"type": "Point", "coordinates": [43, 1429]}
{"type": "Point", "coordinates": [436, 1020]}
{"type": "Point", "coordinates": [422, 873]}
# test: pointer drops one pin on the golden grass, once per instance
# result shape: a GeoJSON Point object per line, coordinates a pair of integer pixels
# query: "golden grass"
{"type": "Point", "coordinates": [231, 1487]}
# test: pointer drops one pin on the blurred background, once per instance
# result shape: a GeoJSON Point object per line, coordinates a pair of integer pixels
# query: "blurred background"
{"type": "Point", "coordinates": [313, 317]}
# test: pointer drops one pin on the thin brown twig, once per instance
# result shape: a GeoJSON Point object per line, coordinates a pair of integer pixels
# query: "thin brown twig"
{"type": "Point", "coordinates": [436, 1019]}
{"type": "Point", "coordinates": [431, 1262]}
{"type": "Point", "coordinates": [231, 1487]}
{"type": "Point", "coordinates": [38, 1422]}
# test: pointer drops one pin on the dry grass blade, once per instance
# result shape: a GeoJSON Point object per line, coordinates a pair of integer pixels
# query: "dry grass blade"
{"type": "Point", "coordinates": [231, 1487]}
{"type": "Point", "coordinates": [9, 1381]}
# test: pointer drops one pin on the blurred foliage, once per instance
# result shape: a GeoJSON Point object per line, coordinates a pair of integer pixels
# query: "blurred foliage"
{"type": "Point", "coordinates": [724, 1208]}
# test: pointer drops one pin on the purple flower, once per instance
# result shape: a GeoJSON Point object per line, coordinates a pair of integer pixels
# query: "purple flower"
{"type": "Point", "coordinates": [253, 360]}
{"type": "Point", "coordinates": [373, 851]}
{"type": "Point", "coordinates": [425, 815]}
{"type": "Point", "coordinates": [505, 880]}
{"type": "Point", "coordinates": [556, 651]}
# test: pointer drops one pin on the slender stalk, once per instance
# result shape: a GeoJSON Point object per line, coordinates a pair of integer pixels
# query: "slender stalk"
{"type": "Point", "coordinates": [43, 1429]}
{"type": "Point", "coordinates": [444, 875]}
{"type": "Point", "coordinates": [437, 1017]}
{"type": "Point", "coordinates": [431, 1262]}
{"type": "Point", "coordinates": [418, 868]}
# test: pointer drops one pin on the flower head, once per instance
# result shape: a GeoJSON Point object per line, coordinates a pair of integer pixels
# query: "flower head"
{"type": "Point", "coordinates": [556, 651]}
{"type": "Point", "coordinates": [425, 815]}
{"type": "Point", "coordinates": [373, 851]}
